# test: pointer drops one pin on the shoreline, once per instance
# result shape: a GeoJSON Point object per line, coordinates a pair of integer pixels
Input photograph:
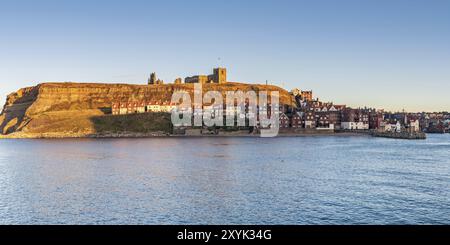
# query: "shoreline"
{"type": "Point", "coordinates": [131, 135]}
{"type": "Point", "coordinates": [128, 135]}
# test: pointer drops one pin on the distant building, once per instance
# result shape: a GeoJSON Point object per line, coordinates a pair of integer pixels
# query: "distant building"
{"type": "Point", "coordinates": [375, 119]}
{"type": "Point", "coordinates": [307, 95]}
{"type": "Point", "coordinates": [141, 107]}
{"type": "Point", "coordinates": [115, 108]}
{"type": "Point", "coordinates": [219, 76]}
{"type": "Point", "coordinates": [178, 81]}
{"type": "Point", "coordinates": [354, 119]}
{"type": "Point", "coordinates": [310, 119]}
{"type": "Point", "coordinates": [324, 120]}
{"type": "Point", "coordinates": [386, 126]}
{"type": "Point", "coordinates": [334, 118]}
{"type": "Point", "coordinates": [123, 109]}
{"type": "Point", "coordinates": [130, 108]}
{"type": "Point", "coordinates": [414, 126]}
{"type": "Point", "coordinates": [284, 120]}
{"type": "Point", "coordinates": [297, 120]}
{"type": "Point", "coordinates": [348, 115]}
{"type": "Point", "coordinates": [296, 92]}
{"type": "Point", "coordinates": [363, 117]}
{"type": "Point", "coordinates": [154, 106]}
{"type": "Point", "coordinates": [153, 80]}
{"type": "Point", "coordinates": [397, 127]}
{"type": "Point", "coordinates": [197, 79]}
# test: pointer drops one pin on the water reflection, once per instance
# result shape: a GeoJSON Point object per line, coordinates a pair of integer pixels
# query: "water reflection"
{"type": "Point", "coordinates": [306, 180]}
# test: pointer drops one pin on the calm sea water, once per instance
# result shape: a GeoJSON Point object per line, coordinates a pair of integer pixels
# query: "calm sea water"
{"type": "Point", "coordinates": [304, 180]}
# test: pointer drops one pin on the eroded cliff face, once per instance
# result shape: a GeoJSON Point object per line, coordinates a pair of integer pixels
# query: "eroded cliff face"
{"type": "Point", "coordinates": [67, 109]}
{"type": "Point", "coordinates": [16, 106]}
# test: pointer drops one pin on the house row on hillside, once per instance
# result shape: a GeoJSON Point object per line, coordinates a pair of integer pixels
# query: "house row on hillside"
{"type": "Point", "coordinates": [122, 108]}
{"type": "Point", "coordinates": [312, 115]}
{"type": "Point", "coordinates": [319, 115]}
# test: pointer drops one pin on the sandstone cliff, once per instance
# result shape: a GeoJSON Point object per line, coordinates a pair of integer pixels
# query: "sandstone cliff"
{"type": "Point", "coordinates": [75, 109]}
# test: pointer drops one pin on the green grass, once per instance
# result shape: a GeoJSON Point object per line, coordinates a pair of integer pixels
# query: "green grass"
{"type": "Point", "coordinates": [138, 123]}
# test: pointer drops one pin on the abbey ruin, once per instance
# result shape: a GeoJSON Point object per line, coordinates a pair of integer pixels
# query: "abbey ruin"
{"type": "Point", "coordinates": [219, 76]}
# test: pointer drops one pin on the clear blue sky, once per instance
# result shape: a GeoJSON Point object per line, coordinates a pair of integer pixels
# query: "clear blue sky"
{"type": "Point", "coordinates": [392, 54]}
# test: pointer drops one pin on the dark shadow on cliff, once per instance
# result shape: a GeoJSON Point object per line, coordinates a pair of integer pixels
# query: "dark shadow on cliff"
{"type": "Point", "coordinates": [134, 123]}
{"type": "Point", "coordinates": [106, 110]}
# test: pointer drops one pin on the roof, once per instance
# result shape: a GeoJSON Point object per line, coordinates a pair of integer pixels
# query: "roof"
{"type": "Point", "coordinates": [298, 114]}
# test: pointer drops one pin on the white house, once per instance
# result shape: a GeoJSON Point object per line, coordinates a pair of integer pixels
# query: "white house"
{"type": "Point", "coordinates": [153, 107]}
{"type": "Point", "coordinates": [167, 107]}
{"type": "Point", "coordinates": [140, 107]}
{"type": "Point", "coordinates": [414, 126]}
{"type": "Point", "coordinates": [354, 125]}
{"type": "Point", "coordinates": [391, 127]}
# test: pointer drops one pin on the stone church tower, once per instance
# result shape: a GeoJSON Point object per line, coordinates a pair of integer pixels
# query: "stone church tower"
{"type": "Point", "coordinates": [219, 75]}
{"type": "Point", "coordinates": [152, 79]}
